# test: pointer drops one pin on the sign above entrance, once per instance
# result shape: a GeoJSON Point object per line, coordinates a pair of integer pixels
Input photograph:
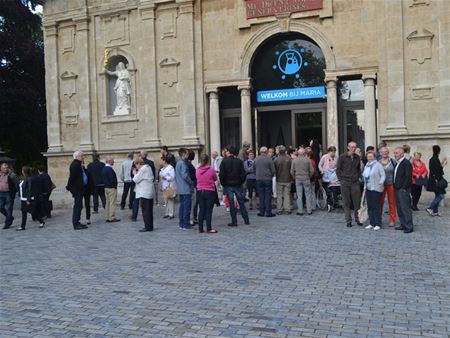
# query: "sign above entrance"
{"type": "Point", "coordinates": [262, 8]}
{"type": "Point", "coordinates": [291, 94]}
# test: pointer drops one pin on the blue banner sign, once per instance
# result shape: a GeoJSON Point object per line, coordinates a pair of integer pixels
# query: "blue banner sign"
{"type": "Point", "coordinates": [290, 94]}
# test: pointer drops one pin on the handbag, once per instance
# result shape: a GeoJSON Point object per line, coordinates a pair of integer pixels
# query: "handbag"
{"type": "Point", "coordinates": [170, 192]}
{"type": "Point", "coordinates": [422, 181]}
{"type": "Point", "coordinates": [441, 184]}
{"type": "Point", "coordinates": [363, 214]}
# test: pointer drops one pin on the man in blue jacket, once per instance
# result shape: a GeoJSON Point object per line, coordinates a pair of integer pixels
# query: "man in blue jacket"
{"type": "Point", "coordinates": [185, 187]}
{"type": "Point", "coordinates": [110, 180]}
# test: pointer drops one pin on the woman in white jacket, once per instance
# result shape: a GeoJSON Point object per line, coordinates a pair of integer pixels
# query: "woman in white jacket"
{"type": "Point", "coordinates": [167, 180]}
{"type": "Point", "coordinates": [374, 177]}
{"type": "Point", "coordinates": [145, 191]}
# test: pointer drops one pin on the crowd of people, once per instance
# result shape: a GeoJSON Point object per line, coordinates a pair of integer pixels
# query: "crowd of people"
{"type": "Point", "coordinates": [286, 179]}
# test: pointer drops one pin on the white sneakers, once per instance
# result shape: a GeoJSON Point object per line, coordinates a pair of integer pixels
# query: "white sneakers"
{"type": "Point", "coordinates": [369, 227]}
{"type": "Point", "coordinates": [376, 228]}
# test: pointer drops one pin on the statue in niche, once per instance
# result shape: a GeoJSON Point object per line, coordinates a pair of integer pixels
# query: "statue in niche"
{"type": "Point", "coordinates": [122, 88]}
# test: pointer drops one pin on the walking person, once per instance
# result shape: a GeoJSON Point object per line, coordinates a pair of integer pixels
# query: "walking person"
{"type": "Point", "coordinates": [232, 176]}
{"type": "Point", "coordinates": [144, 189]}
{"type": "Point", "coordinates": [76, 184]}
{"type": "Point", "coordinates": [167, 182]}
{"type": "Point", "coordinates": [8, 191]}
{"type": "Point", "coordinates": [283, 165]}
{"type": "Point", "coordinates": [110, 180]}
{"type": "Point", "coordinates": [206, 193]}
{"type": "Point", "coordinates": [402, 186]}
{"type": "Point", "coordinates": [250, 178]}
{"type": "Point", "coordinates": [46, 190]}
{"type": "Point", "coordinates": [265, 171]}
{"type": "Point", "coordinates": [420, 179]}
{"type": "Point", "coordinates": [437, 182]}
{"type": "Point", "coordinates": [125, 176]}
{"type": "Point", "coordinates": [95, 168]}
{"type": "Point", "coordinates": [349, 172]}
{"type": "Point", "coordinates": [374, 177]}
{"type": "Point", "coordinates": [302, 171]}
{"type": "Point", "coordinates": [388, 164]}
{"type": "Point", "coordinates": [185, 187]}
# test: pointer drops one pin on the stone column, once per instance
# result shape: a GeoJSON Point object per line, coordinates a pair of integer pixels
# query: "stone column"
{"type": "Point", "coordinates": [246, 114]}
{"type": "Point", "coordinates": [52, 87]}
{"type": "Point", "coordinates": [444, 67]}
{"type": "Point", "coordinates": [214, 120]}
{"type": "Point", "coordinates": [84, 99]}
{"type": "Point", "coordinates": [370, 120]}
{"type": "Point", "coordinates": [332, 113]}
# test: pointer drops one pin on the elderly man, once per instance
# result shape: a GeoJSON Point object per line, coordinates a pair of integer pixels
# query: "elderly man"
{"type": "Point", "coordinates": [135, 205]}
{"type": "Point", "coordinates": [348, 171]}
{"type": "Point", "coordinates": [283, 173]}
{"type": "Point", "coordinates": [110, 180]}
{"type": "Point", "coordinates": [265, 171]}
{"type": "Point", "coordinates": [243, 153]}
{"type": "Point", "coordinates": [8, 190]}
{"type": "Point", "coordinates": [77, 184]}
{"type": "Point", "coordinates": [402, 187]}
{"type": "Point", "coordinates": [302, 170]}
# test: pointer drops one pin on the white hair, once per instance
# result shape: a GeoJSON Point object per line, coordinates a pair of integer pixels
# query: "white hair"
{"type": "Point", "coordinates": [263, 150]}
{"type": "Point", "coordinates": [77, 153]}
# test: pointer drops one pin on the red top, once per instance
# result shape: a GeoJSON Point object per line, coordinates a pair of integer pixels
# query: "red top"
{"type": "Point", "coordinates": [419, 169]}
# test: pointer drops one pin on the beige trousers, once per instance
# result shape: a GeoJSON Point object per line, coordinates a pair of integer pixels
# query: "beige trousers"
{"type": "Point", "coordinates": [170, 204]}
{"type": "Point", "coordinates": [111, 201]}
{"type": "Point", "coordinates": [284, 197]}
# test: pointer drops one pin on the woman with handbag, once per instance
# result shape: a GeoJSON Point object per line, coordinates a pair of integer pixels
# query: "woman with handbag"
{"type": "Point", "coordinates": [388, 164]}
{"type": "Point", "coordinates": [374, 177]}
{"type": "Point", "coordinates": [206, 193]}
{"type": "Point", "coordinates": [167, 185]}
{"type": "Point", "coordinates": [436, 182]}
{"type": "Point", "coordinates": [419, 179]}
{"type": "Point", "coordinates": [29, 192]}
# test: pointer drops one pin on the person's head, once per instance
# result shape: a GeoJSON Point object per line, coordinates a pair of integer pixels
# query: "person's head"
{"type": "Point", "coordinates": [251, 155]}
{"type": "Point", "coordinates": [370, 148]}
{"type": "Point", "coordinates": [224, 152]}
{"type": "Point", "coordinates": [139, 163]}
{"type": "Point", "coordinates": [27, 171]}
{"type": "Point", "coordinates": [384, 152]}
{"type": "Point", "coordinates": [214, 155]}
{"type": "Point", "coordinates": [143, 154]}
{"type": "Point", "coordinates": [164, 150]}
{"type": "Point", "coordinates": [41, 168]}
{"type": "Point", "coordinates": [204, 159]}
{"type": "Point", "coordinates": [281, 150]}
{"type": "Point", "coordinates": [370, 155]}
{"type": "Point", "coordinates": [332, 165]}
{"type": "Point", "coordinates": [109, 159]}
{"type": "Point", "coordinates": [271, 152]}
{"type": "Point", "coordinates": [263, 150]}
{"type": "Point", "coordinates": [246, 145]}
{"type": "Point", "coordinates": [351, 147]}
{"type": "Point", "coordinates": [436, 150]}
{"type": "Point", "coordinates": [78, 155]}
{"type": "Point", "coordinates": [407, 148]}
{"type": "Point", "coordinates": [417, 156]}
{"type": "Point", "coordinates": [309, 152]}
{"type": "Point", "coordinates": [191, 155]}
{"type": "Point", "coordinates": [301, 151]}
{"type": "Point", "coordinates": [95, 156]}
{"type": "Point", "coordinates": [130, 156]}
{"type": "Point", "coordinates": [331, 151]}
{"type": "Point", "coordinates": [230, 151]}
{"type": "Point", "coordinates": [399, 152]}
{"type": "Point", "coordinates": [381, 145]}
{"type": "Point", "coordinates": [183, 153]}
{"type": "Point", "coordinates": [4, 168]}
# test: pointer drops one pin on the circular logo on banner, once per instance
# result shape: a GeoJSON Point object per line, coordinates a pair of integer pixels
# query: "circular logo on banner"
{"type": "Point", "coordinates": [289, 62]}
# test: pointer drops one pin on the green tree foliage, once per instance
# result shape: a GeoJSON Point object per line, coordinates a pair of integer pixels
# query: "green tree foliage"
{"type": "Point", "coordinates": [23, 132]}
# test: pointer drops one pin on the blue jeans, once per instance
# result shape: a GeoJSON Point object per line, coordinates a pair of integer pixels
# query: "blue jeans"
{"type": "Point", "coordinates": [434, 205]}
{"type": "Point", "coordinates": [306, 185]}
{"type": "Point", "coordinates": [185, 210]}
{"type": "Point", "coordinates": [135, 208]}
{"type": "Point", "coordinates": [230, 192]}
{"type": "Point", "coordinates": [205, 200]}
{"type": "Point", "coordinates": [374, 207]}
{"type": "Point", "coordinates": [264, 188]}
{"type": "Point", "coordinates": [6, 207]}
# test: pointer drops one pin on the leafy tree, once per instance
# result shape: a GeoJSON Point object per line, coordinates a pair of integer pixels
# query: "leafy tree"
{"type": "Point", "coordinates": [23, 133]}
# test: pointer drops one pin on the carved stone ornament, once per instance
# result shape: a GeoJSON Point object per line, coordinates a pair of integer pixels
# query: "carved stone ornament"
{"type": "Point", "coordinates": [67, 39]}
{"type": "Point", "coordinates": [420, 45]}
{"type": "Point", "coordinates": [419, 2]}
{"type": "Point", "coordinates": [171, 111]}
{"type": "Point", "coordinates": [69, 84]}
{"type": "Point", "coordinates": [169, 70]}
{"type": "Point", "coordinates": [422, 93]}
{"type": "Point", "coordinates": [116, 30]}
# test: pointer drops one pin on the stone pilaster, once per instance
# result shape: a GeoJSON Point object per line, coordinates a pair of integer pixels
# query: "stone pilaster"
{"type": "Point", "coordinates": [370, 120]}
{"type": "Point", "coordinates": [214, 120]}
{"type": "Point", "coordinates": [246, 113]}
{"type": "Point", "coordinates": [444, 68]}
{"type": "Point", "coordinates": [332, 113]}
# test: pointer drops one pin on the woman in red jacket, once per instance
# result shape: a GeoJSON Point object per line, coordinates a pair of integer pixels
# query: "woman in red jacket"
{"type": "Point", "coordinates": [419, 172]}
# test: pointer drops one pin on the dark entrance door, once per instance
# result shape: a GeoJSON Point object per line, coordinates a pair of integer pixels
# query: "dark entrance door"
{"type": "Point", "coordinates": [308, 125]}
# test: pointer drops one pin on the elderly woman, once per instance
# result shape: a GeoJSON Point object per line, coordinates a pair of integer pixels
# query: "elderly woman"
{"type": "Point", "coordinates": [167, 183]}
{"type": "Point", "coordinates": [388, 164]}
{"type": "Point", "coordinates": [144, 189]}
{"type": "Point", "coordinates": [374, 177]}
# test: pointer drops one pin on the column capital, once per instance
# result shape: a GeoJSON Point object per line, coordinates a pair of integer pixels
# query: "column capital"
{"type": "Point", "coordinates": [82, 23]}
{"type": "Point", "coordinates": [369, 79]}
{"type": "Point", "coordinates": [245, 89]}
{"type": "Point", "coordinates": [331, 81]}
{"type": "Point", "coordinates": [210, 90]}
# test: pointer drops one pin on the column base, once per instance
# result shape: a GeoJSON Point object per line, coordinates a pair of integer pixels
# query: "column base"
{"type": "Point", "coordinates": [56, 148]}
{"type": "Point", "coordinates": [397, 129]}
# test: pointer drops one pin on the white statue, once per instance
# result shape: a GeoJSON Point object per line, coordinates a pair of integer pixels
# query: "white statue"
{"type": "Point", "coordinates": [122, 89]}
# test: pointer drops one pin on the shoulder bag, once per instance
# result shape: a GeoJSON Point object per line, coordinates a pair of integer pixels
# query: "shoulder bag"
{"type": "Point", "coordinates": [363, 214]}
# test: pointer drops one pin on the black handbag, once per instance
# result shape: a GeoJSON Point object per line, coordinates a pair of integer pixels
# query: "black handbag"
{"type": "Point", "coordinates": [442, 183]}
{"type": "Point", "coordinates": [422, 181]}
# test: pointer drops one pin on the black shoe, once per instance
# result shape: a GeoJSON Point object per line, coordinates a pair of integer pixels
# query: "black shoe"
{"type": "Point", "coordinates": [359, 223]}
{"type": "Point", "coordinates": [260, 215]}
{"type": "Point", "coordinates": [349, 224]}
{"type": "Point", "coordinates": [270, 215]}
{"type": "Point", "coordinates": [415, 208]}
{"type": "Point", "coordinates": [20, 229]}
{"type": "Point", "coordinates": [145, 230]}
{"type": "Point", "coordinates": [80, 227]}
{"type": "Point", "coordinates": [299, 213]}
{"type": "Point", "coordinates": [6, 227]}
{"type": "Point", "coordinates": [310, 213]}
{"type": "Point", "coordinates": [171, 217]}
{"type": "Point", "coordinates": [201, 231]}
{"type": "Point", "coordinates": [95, 212]}
{"type": "Point", "coordinates": [247, 222]}
{"type": "Point", "coordinates": [408, 231]}
{"type": "Point", "coordinates": [122, 208]}
{"type": "Point", "coordinates": [400, 227]}
{"type": "Point", "coordinates": [232, 225]}
{"type": "Point", "coordinates": [167, 216]}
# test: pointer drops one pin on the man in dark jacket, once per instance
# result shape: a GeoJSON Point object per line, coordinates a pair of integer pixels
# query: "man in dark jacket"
{"type": "Point", "coordinates": [95, 169]}
{"type": "Point", "coordinates": [348, 171]}
{"type": "Point", "coordinates": [76, 184]}
{"type": "Point", "coordinates": [232, 176]}
{"type": "Point", "coordinates": [8, 190]}
{"type": "Point", "coordinates": [46, 190]}
{"type": "Point", "coordinates": [110, 180]}
{"type": "Point", "coordinates": [402, 190]}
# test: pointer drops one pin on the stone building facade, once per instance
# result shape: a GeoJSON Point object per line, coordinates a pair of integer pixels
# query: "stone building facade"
{"type": "Point", "coordinates": [206, 73]}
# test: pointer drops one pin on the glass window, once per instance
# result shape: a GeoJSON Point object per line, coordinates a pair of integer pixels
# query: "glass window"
{"type": "Point", "coordinates": [355, 127]}
{"type": "Point", "coordinates": [351, 90]}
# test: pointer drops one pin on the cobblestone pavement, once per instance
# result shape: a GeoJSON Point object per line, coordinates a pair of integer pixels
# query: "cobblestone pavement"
{"type": "Point", "coordinates": [287, 276]}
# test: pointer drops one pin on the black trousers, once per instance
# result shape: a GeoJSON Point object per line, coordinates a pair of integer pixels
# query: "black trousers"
{"type": "Point", "coordinates": [416, 192]}
{"type": "Point", "coordinates": [99, 191]}
{"type": "Point", "coordinates": [87, 205]}
{"type": "Point", "coordinates": [77, 207]}
{"type": "Point", "coordinates": [126, 188]}
{"type": "Point", "coordinates": [404, 211]}
{"type": "Point", "coordinates": [34, 209]}
{"type": "Point", "coordinates": [147, 212]}
{"type": "Point", "coordinates": [205, 199]}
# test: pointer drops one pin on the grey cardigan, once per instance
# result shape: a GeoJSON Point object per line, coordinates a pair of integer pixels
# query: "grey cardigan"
{"type": "Point", "coordinates": [377, 176]}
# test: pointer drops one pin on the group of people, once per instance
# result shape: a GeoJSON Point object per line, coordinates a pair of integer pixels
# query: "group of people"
{"type": "Point", "coordinates": [33, 188]}
{"type": "Point", "coordinates": [290, 177]}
